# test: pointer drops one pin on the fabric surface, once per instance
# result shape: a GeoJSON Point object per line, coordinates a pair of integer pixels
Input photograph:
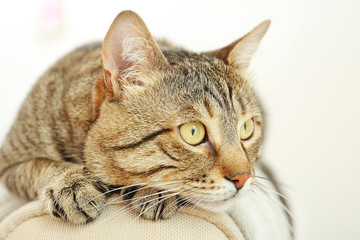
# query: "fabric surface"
{"type": "Point", "coordinates": [8, 202]}
{"type": "Point", "coordinates": [32, 222]}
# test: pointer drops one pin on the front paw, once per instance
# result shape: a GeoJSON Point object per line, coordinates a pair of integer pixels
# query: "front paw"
{"type": "Point", "coordinates": [75, 198]}
{"type": "Point", "coordinates": [152, 204]}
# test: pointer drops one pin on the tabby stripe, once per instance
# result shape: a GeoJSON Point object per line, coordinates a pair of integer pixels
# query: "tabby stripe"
{"type": "Point", "coordinates": [28, 139]}
{"type": "Point", "coordinates": [168, 154]}
{"type": "Point", "coordinates": [180, 200]}
{"type": "Point", "coordinates": [208, 108]}
{"type": "Point", "coordinates": [24, 189]}
{"type": "Point", "coordinates": [246, 154]}
{"type": "Point", "coordinates": [34, 113]}
{"type": "Point", "coordinates": [62, 151]}
{"type": "Point", "coordinates": [159, 208]}
{"type": "Point", "coordinates": [145, 139]}
{"type": "Point", "coordinates": [242, 105]}
{"type": "Point", "coordinates": [20, 140]}
{"type": "Point", "coordinates": [3, 159]}
{"type": "Point", "coordinates": [162, 210]}
{"type": "Point", "coordinates": [143, 208]}
{"type": "Point", "coordinates": [147, 172]}
{"type": "Point", "coordinates": [100, 186]}
{"type": "Point", "coordinates": [55, 214]}
{"type": "Point", "coordinates": [13, 145]}
{"type": "Point", "coordinates": [130, 193]}
{"type": "Point", "coordinates": [222, 93]}
{"type": "Point", "coordinates": [68, 126]}
{"type": "Point", "coordinates": [88, 218]}
{"type": "Point", "coordinates": [59, 210]}
{"type": "Point", "coordinates": [153, 170]}
{"type": "Point", "coordinates": [206, 88]}
{"type": "Point", "coordinates": [230, 96]}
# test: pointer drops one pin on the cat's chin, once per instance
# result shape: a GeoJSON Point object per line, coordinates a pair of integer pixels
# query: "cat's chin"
{"type": "Point", "coordinates": [217, 206]}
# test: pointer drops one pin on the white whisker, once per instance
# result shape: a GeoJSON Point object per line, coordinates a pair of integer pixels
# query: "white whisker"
{"type": "Point", "coordinates": [276, 204]}
{"type": "Point", "coordinates": [125, 209]}
{"type": "Point", "coordinates": [142, 197]}
{"type": "Point", "coordinates": [166, 197]}
{"type": "Point", "coordinates": [139, 184]}
{"type": "Point", "coordinates": [166, 182]}
{"type": "Point", "coordinates": [273, 181]}
{"type": "Point", "coordinates": [263, 187]}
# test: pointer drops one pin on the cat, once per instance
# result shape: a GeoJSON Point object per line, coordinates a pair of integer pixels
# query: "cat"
{"type": "Point", "coordinates": [164, 126]}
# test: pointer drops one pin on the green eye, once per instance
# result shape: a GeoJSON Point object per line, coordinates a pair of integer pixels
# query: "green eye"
{"type": "Point", "coordinates": [192, 133]}
{"type": "Point", "coordinates": [247, 129]}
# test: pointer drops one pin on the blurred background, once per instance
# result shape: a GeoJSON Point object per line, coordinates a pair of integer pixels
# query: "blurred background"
{"type": "Point", "coordinates": [306, 71]}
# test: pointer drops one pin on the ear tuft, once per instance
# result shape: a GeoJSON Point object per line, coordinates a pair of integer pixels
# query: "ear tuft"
{"type": "Point", "coordinates": [129, 52]}
{"type": "Point", "coordinates": [240, 52]}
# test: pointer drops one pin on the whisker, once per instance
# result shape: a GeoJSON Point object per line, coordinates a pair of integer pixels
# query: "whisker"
{"type": "Point", "coordinates": [266, 192]}
{"type": "Point", "coordinates": [137, 205]}
{"type": "Point", "coordinates": [198, 201]}
{"type": "Point", "coordinates": [137, 184]}
{"type": "Point", "coordinates": [125, 209]}
{"type": "Point", "coordinates": [180, 202]}
{"type": "Point", "coordinates": [282, 184]}
{"type": "Point", "coordinates": [277, 205]}
{"type": "Point", "coordinates": [263, 186]}
{"type": "Point", "coordinates": [117, 189]}
{"type": "Point", "coordinates": [110, 203]}
{"type": "Point", "coordinates": [142, 197]}
{"type": "Point", "coordinates": [113, 214]}
{"type": "Point", "coordinates": [166, 197]}
{"type": "Point", "coordinates": [184, 203]}
{"type": "Point", "coordinates": [163, 199]}
{"type": "Point", "coordinates": [166, 182]}
{"type": "Point", "coordinates": [173, 203]}
{"type": "Point", "coordinates": [150, 186]}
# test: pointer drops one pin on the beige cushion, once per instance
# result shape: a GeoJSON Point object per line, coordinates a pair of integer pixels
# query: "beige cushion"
{"type": "Point", "coordinates": [32, 222]}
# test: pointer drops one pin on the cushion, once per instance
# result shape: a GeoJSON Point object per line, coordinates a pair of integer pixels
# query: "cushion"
{"type": "Point", "coordinates": [31, 221]}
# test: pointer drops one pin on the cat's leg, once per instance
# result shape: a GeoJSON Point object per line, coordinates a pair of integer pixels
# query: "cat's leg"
{"type": "Point", "coordinates": [68, 190]}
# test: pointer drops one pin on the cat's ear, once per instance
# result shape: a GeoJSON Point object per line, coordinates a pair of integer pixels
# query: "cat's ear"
{"type": "Point", "coordinates": [240, 52]}
{"type": "Point", "coordinates": [130, 53]}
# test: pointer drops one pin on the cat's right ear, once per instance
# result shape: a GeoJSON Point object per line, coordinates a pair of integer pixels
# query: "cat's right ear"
{"type": "Point", "coordinates": [130, 54]}
{"type": "Point", "coordinates": [240, 52]}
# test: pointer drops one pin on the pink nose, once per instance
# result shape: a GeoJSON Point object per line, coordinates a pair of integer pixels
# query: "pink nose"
{"type": "Point", "coordinates": [240, 180]}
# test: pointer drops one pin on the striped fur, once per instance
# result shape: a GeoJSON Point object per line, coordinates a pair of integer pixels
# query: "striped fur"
{"type": "Point", "coordinates": [78, 139]}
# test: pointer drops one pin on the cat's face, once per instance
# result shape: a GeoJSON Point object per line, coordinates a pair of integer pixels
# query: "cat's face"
{"type": "Point", "coordinates": [140, 138]}
{"type": "Point", "coordinates": [191, 126]}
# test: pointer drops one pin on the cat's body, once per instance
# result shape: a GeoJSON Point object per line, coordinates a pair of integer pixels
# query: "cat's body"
{"type": "Point", "coordinates": [111, 116]}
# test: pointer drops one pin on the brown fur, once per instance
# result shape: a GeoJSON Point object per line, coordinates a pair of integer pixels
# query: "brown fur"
{"type": "Point", "coordinates": [76, 137]}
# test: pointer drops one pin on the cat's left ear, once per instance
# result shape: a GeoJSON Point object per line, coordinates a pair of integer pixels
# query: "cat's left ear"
{"type": "Point", "coordinates": [240, 52]}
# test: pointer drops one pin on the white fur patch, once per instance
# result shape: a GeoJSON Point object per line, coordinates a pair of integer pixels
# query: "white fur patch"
{"type": "Point", "coordinates": [261, 215]}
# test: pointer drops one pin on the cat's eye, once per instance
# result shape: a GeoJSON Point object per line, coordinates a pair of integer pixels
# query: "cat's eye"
{"type": "Point", "coordinates": [192, 133]}
{"type": "Point", "coordinates": [247, 129]}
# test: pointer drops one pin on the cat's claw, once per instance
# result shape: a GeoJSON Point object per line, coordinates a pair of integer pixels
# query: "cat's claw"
{"type": "Point", "coordinates": [77, 199]}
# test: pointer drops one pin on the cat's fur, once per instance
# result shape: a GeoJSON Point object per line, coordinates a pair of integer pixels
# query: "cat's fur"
{"type": "Point", "coordinates": [107, 115]}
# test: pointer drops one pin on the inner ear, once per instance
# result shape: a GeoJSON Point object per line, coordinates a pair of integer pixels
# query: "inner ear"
{"type": "Point", "coordinates": [240, 52]}
{"type": "Point", "coordinates": [129, 52]}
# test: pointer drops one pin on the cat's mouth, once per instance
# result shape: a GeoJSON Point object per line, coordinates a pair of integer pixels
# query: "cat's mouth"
{"type": "Point", "coordinates": [217, 205]}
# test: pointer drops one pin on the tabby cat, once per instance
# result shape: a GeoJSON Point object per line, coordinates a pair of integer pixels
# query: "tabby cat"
{"type": "Point", "coordinates": [163, 126]}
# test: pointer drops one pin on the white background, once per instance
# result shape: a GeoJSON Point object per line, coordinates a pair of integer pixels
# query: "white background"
{"type": "Point", "coordinates": [306, 71]}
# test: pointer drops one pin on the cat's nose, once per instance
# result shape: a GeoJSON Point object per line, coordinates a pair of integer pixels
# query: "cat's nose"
{"type": "Point", "coordinates": [240, 180]}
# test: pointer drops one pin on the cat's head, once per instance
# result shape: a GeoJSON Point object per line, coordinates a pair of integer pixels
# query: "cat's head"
{"type": "Point", "coordinates": [173, 119]}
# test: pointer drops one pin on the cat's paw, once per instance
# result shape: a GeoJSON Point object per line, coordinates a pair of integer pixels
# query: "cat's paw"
{"type": "Point", "coordinates": [75, 197]}
{"type": "Point", "coordinates": [152, 203]}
